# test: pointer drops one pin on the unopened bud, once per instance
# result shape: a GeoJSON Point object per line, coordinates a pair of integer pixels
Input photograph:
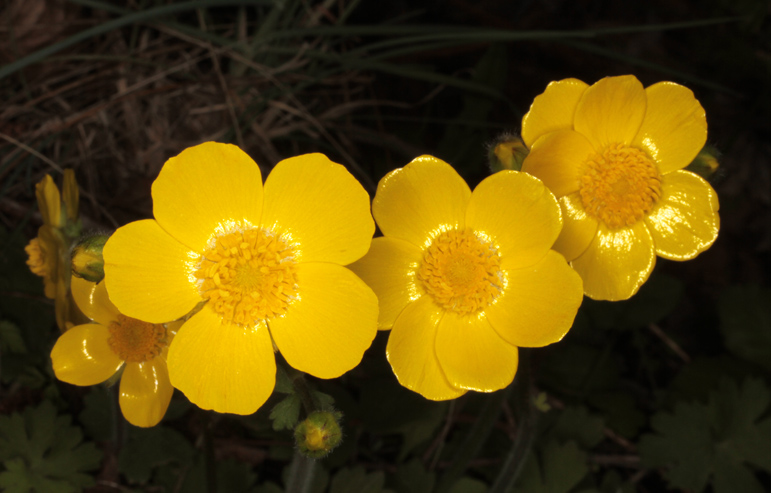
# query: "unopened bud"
{"type": "Point", "coordinates": [318, 434]}
{"type": "Point", "coordinates": [705, 164]}
{"type": "Point", "coordinates": [87, 261]}
{"type": "Point", "coordinates": [507, 152]}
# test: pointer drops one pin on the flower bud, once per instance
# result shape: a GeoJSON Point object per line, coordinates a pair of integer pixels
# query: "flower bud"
{"type": "Point", "coordinates": [318, 434]}
{"type": "Point", "coordinates": [507, 152]}
{"type": "Point", "coordinates": [705, 163]}
{"type": "Point", "coordinates": [87, 261]}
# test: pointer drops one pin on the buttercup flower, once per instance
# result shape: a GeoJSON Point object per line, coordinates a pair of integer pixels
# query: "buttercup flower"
{"type": "Point", "coordinates": [464, 278]}
{"type": "Point", "coordinates": [92, 353]}
{"type": "Point", "coordinates": [614, 154]}
{"type": "Point", "coordinates": [266, 260]}
{"type": "Point", "coordinates": [48, 253]}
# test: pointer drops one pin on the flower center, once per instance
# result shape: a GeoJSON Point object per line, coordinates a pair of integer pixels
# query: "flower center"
{"type": "Point", "coordinates": [248, 276]}
{"type": "Point", "coordinates": [134, 340]}
{"type": "Point", "coordinates": [461, 271]}
{"type": "Point", "coordinates": [619, 186]}
{"type": "Point", "coordinates": [36, 258]}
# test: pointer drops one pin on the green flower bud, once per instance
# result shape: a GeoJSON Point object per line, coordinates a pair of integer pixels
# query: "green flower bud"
{"type": "Point", "coordinates": [507, 152]}
{"type": "Point", "coordinates": [87, 261]}
{"type": "Point", "coordinates": [318, 434]}
{"type": "Point", "coordinates": [705, 164]}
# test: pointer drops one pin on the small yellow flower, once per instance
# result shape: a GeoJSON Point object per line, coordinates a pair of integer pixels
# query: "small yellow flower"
{"type": "Point", "coordinates": [268, 261]}
{"type": "Point", "coordinates": [49, 252]}
{"type": "Point", "coordinates": [92, 353]}
{"type": "Point", "coordinates": [464, 278]}
{"type": "Point", "coordinates": [614, 154]}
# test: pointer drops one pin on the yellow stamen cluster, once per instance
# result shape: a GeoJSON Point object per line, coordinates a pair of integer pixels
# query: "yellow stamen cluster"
{"type": "Point", "coordinates": [136, 341]}
{"type": "Point", "coordinates": [36, 258]}
{"type": "Point", "coordinates": [619, 186]}
{"type": "Point", "coordinates": [248, 276]}
{"type": "Point", "coordinates": [461, 271]}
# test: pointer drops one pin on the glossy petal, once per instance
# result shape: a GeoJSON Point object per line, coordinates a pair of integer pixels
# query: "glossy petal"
{"type": "Point", "coordinates": [390, 269]}
{"type": "Point", "coordinates": [418, 201]}
{"type": "Point", "coordinates": [148, 273]}
{"type": "Point", "coordinates": [473, 355]}
{"type": "Point", "coordinates": [578, 229]}
{"type": "Point", "coordinates": [145, 392]}
{"type": "Point", "coordinates": [539, 303]}
{"type": "Point", "coordinates": [207, 189]}
{"type": "Point", "coordinates": [685, 221]}
{"type": "Point", "coordinates": [675, 126]}
{"type": "Point", "coordinates": [412, 355]}
{"type": "Point", "coordinates": [49, 201]}
{"type": "Point", "coordinates": [611, 111]}
{"type": "Point", "coordinates": [82, 356]}
{"type": "Point", "coordinates": [519, 215]}
{"type": "Point", "coordinates": [552, 110]}
{"type": "Point", "coordinates": [334, 320]}
{"type": "Point", "coordinates": [223, 367]}
{"type": "Point", "coordinates": [617, 262]}
{"type": "Point", "coordinates": [557, 159]}
{"type": "Point", "coordinates": [93, 301]}
{"type": "Point", "coordinates": [321, 207]}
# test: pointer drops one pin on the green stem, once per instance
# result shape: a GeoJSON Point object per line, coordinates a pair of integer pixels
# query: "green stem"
{"type": "Point", "coordinates": [526, 430]}
{"type": "Point", "coordinates": [475, 439]}
{"type": "Point", "coordinates": [301, 474]}
{"type": "Point", "coordinates": [209, 461]}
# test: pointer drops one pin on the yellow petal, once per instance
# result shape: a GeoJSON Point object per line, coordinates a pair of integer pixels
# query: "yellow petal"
{"type": "Point", "coordinates": [93, 301]}
{"type": "Point", "coordinates": [557, 159]}
{"type": "Point", "coordinates": [50, 245]}
{"type": "Point", "coordinates": [684, 221]}
{"type": "Point", "coordinates": [207, 189]}
{"type": "Point", "coordinates": [675, 126]}
{"type": "Point", "coordinates": [519, 215]}
{"type": "Point", "coordinates": [70, 194]}
{"type": "Point", "coordinates": [552, 110]}
{"type": "Point", "coordinates": [539, 303]}
{"type": "Point", "coordinates": [617, 262]}
{"type": "Point", "coordinates": [390, 268]}
{"type": "Point", "coordinates": [422, 199]}
{"type": "Point", "coordinates": [82, 356]}
{"type": "Point", "coordinates": [49, 201]}
{"type": "Point", "coordinates": [611, 111]}
{"type": "Point", "coordinates": [223, 367]}
{"type": "Point", "coordinates": [145, 392]}
{"type": "Point", "coordinates": [321, 207]}
{"type": "Point", "coordinates": [412, 355]}
{"type": "Point", "coordinates": [148, 273]}
{"type": "Point", "coordinates": [326, 330]}
{"type": "Point", "coordinates": [473, 355]}
{"type": "Point", "coordinates": [578, 229]}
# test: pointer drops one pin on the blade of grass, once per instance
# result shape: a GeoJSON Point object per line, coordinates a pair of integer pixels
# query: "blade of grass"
{"type": "Point", "coordinates": [108, 26]}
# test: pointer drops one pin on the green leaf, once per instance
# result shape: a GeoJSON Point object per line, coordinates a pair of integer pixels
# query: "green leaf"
{"type": "Point", "coordinates": [412, 477]}
{"type": "Point", "coordinates": [10, 338]}
{"type": "Point", "coordinates": [745, 321]}
{"type": "Point", "coordinates": [286, 413]}
{"type": "Point", "coordinates": [44, 452]}
{"type": "Point", "coordinates": [575, 423]}
{"type": "Point", "coordinates": [554, 469]}
{"type": "Point", "coordinates": [356, 479]}
{"type": "Point", "coordinates": [96, 416]}
{"type": "Point", "coordinates": [148, 448]}
{"type": "Point", "coordinates": [468, 485]}
{"type": "Point", "coordinates": [717, 439]}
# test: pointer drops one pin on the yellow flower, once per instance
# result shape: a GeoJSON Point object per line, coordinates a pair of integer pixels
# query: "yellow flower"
{"type": "Point", "coordinates": [464, 278]}
{"type": "Point", "coordinates": [49, 252]}
{"type": "Point", "coordinates": [614, 154]}
{"type": "Point", "coordinates": [267, 260]}
{"type": "Point", "coordinates": [92, 353]}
